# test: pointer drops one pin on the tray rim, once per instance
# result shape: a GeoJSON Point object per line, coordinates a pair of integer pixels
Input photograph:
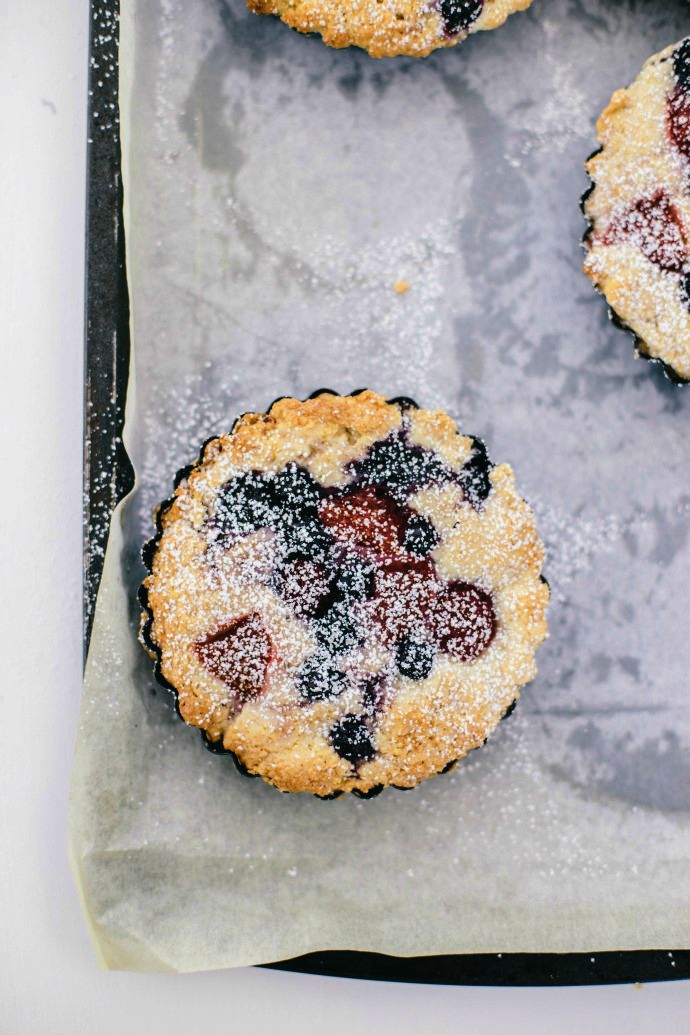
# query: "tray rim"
{"type": "Point", "coordinates": [108, 476]}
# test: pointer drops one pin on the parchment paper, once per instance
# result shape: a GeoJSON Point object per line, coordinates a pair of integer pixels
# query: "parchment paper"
{"type": "Point", "coordinates": [275, 191]}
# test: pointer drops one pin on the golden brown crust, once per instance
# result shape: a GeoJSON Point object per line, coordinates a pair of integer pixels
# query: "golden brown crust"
{"type": "Point", "coordinates": [425, 724]}
{"type": "Point", "coordinates": [382, 27]}
{"type": "Point", "coordinates": [638, 161]}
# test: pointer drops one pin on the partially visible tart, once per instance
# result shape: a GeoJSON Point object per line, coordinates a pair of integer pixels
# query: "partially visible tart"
{"type": "Point", "coordinates": [388, 28]}
{"type": "Point", "coordinates": [345, 593]}
{"type": "Point", "coordinates": [638, 208]}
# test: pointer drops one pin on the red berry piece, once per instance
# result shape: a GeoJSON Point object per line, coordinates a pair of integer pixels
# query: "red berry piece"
{"type": "Point", "coordinates": [238, 654]}
{"type": "Point", "coordinates": [655, 225]}
{"type": "Point", "coordinates": [405, 597]}
{"type": "Point", "coordinates": [463, 621]}
{"type": "Point", "coordinates": [303, 584]}
{"type": "Point", "coordinates": [679, 120]}
{"type": "Point", "coordinates": [366, 521]}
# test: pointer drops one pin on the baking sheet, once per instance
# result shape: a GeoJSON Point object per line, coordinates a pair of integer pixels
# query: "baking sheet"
{"type": "Point", "coordinates": [569, 831]}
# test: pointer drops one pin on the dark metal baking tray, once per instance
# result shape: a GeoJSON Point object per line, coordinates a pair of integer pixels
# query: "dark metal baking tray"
{"type": "Point", "coordinates": [108, 476]}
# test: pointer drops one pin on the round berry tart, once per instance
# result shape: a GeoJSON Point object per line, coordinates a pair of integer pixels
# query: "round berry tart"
{"type": "Point", "coordinates": [638, 208]}
{"type": "Point", "coordinates": [385, 28]}
{"type": "Point", "coordinates": [345, 593]}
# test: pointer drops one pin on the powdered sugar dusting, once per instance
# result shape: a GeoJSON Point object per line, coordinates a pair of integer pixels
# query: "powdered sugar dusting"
{"type": "Point", "coordinates": [581, 792]}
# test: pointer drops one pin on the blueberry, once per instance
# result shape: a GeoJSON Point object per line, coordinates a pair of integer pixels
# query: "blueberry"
{"type": "Point", "coordinates": [400, 467]}
{"type": "Point", "coordinates": [681, 64]}
{"type": "Point", "coordinates": [354, 580]}
{"type": "Point", "coordinates": [474, 477]}
{"type": "Point", "coordinates": [459, 14]}
{"type": "Point", "coordinates": [337, 629]}
{"type": "Point", "coordinates": [245, 504]}
{"type": "Point", "coordinates": [319, 679]}
{"type": "Point", "coordinates": [420, 536]}
{"type": "Point", "coordinates": [685, 289]}
{"type": "Point", "coordinates": [351, 739]}
{"type": "Point", "coordinates": [414, 658]}
{"type": "Point", "coordinates": [306, 537]}
{"type": "Point", "coordinates": [294, 488]}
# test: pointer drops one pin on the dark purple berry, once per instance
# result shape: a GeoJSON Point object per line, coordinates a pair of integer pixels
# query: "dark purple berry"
{"type": "Point", "coordinates": [351, 739]}
{"type": "Point", "coordinates": [678, 118]}
{"type": "Point", "coordinates": [319, 679]}
{"type": "Point", "coordinates": [685, 290]}
{"type": "Point", "coordinates": [420, 536]}
{"type": "Point", "coordinates": [294, 488]}
{"type": "Point", "coordinates": [306, 537]}
{"type": "Point", "coordinates": [414, 658]}
{"type": "Point", "coordinates": [474, 477]}
{"type": "Point", "coordinates": [459, 14]}
{"type": "Point", "coordinates": [244, 505]}
{"type": "Point", "coordinates": [399, 467]}
{"type": "Point", "coordinates": [337, 629]}
{"type": "Point", "coordinates": [354, 580]}
{"type": "Point", "coordinates": [681, 64]}
{"type": "Point", "coordinates": [655, 225]}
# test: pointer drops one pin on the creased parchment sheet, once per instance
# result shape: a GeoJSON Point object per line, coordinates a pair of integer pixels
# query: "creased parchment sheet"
{"type": "Point", "coordinates": [275, 191]}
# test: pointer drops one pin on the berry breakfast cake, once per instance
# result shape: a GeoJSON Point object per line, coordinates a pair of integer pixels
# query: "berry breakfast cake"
{"type": "Point", "coordinates": [345, 593]}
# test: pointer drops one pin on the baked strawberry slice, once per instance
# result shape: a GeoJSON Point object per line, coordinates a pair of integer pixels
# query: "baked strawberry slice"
{"type": "Point", "coordinates": [655, 226]}
{"type": "Point", "coordinates": [238, 654]}
{"type": "Point", "coordinates": [303, 584]}
{"type": "Point", "coordinates": [463, 620]}
{"type": "Point", "coordinates": [405, 598]}
{"type": "Point", "coordinates": [679, 120]}
{"type": "Point", "coordinates": [368, 522]}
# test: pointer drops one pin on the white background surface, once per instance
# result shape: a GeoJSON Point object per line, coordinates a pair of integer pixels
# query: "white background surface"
{"type": "Point", "coordinates": [49, 982]}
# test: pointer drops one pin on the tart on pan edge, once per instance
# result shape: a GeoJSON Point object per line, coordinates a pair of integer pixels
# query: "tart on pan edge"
{"type": "Point", "coordinates": [389, 28]}
{"type": "Point", "coordinates": [638, 209]}
{"type": "Point", "coordinates": [345, 593]}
